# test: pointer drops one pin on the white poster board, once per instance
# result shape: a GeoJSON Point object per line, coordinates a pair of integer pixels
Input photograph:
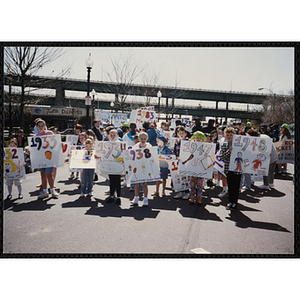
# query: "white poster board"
{"type": "Point", "coordinates": [145, 114]}
{"type": "Point", "coordinates": [219, 163]}
{"type": "Point", "coordinates": [71, 148]}
{"type": "Point", "coordinates": [170, 139]}
{"type": "Point", "coordinates": [180, 182]}
{"type": "Point", "coordinates": [105, 115]}
{"type": "Point", "coordinates": [197, 159]}
{"type": "Point", "coordinates": [142, 165]}
{"type": "Point", "coordinates": [72, 139]}
{"type": "Point", "coordinates": [45, 151]}
{"type": "Point", "coordinates": [82, 159]}
{"type": "Point", "coordinates": [65, 152]}
{"type": "Point", "coordinates": [285, 151]}
{"type": "Point", "coordinates": [118, 119]}
{"type": "Point", "coordinates": [250, 155]}
{"type": "Point", "coordinates": [188, 124]}
{"type": "Point", "coordinates": [110, 157]}
{"type": "Point", "coordinates": [13, 163]}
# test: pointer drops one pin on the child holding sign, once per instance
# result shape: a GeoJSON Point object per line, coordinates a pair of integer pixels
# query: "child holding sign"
{"type": "Point", "coordinates": [182, 134]}
{"type": "Point", "coordinates": [13, 143]}
{"type": "Point", "coordinates": [114, 180]}
{"type": "Point", "coordinates": [162, 149]}
{"type": "Point", "coordinates": [87, 180]}
{"type": "Point", "coordinates": [197, 182]}
{"type": "Point", "coordinates": [143, 137]}
{"type": "Point", "coordinates": [46, 173]}
{"type": "Point", "coordinates": [233, 178]}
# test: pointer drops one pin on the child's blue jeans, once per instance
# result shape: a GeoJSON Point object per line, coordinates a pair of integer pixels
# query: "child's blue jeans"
{"type": "Point", "coordinates": [87, 181]}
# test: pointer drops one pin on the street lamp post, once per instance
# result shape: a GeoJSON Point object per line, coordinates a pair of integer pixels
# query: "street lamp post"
{"type": "Point", "coordinates": [93, 93]}
{"type": "Point", "coordinates": [89, 64]}
{"type": "Point", "coordinates": [112, 104]}
{"type": "Point", "coordinates": [159, 94]}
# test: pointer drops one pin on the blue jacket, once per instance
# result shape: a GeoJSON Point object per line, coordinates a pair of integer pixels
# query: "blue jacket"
{"type": "Point", "coordinates": [165, 150]}
{"type": "Point", "coordinates": [152, 134]}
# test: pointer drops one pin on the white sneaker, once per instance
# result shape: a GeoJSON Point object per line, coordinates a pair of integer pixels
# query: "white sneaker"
{"type": "Point", "coordinates": [223, 194]}
{"type": "Point", "coordinates": [263, 187]}
{"type": "Point", "coordinates": [271, 185]}
{"type": "Point", "coordinates": [43, 195]}
{"type": "Point", "coordinates": [134, 201]}
{"type": "Point", "coordinates": [124, 183]}
{"type": "Point", "coordinates": [54, 194]}
{"type": "Point", "coordinates": [186, 196]}
{"type": "Point", "coordinates": [145, 201]}
{"type": "Point", "coordinates": [178, 196]}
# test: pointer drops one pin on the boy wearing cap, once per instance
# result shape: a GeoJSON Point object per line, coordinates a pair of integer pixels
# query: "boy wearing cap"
{"type": "Point", "coordinates": [197, 182]}
{"type": "Point", "coordinates": [162, 149]}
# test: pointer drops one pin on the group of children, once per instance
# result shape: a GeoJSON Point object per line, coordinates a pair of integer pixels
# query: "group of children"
{"type": "Point", "coordinates": [223, 137]}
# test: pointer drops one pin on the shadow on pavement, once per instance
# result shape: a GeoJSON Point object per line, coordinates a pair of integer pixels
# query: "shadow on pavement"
{"type": "Point", "coordinates": [113, 210]}
{"type": "Point", "coordinates": [69, 181]}
{"type": "Point", "coordinates": [243, 221]}
{"type": "Point", "coordinates": [185, 209]}
{"type": "Point", "coordinates": [7, 204]}
{"type": "Point", "coordinates": [283, 176]}
{"type": "Point", "coordinates": [75, 191]}
{"type": "Point", "coordinates": [39, 204]}
{"type": "Point", "coordinates": [80, 202]}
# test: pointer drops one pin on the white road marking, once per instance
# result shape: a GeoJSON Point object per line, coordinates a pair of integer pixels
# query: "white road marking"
{"type": "Point", "coordinates": [200, 251]}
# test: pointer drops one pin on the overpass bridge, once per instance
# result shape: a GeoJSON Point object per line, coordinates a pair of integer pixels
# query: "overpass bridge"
{"type": "Point", "coordinates": [169, 93]}
{"type": "Point", "coordinates": [180, 110]}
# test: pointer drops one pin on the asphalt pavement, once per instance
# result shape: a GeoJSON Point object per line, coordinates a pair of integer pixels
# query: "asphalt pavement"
{"type": "Point", "coordinates": [263, 223]}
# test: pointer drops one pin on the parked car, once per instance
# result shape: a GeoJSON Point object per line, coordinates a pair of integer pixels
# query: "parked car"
{"type": "Point", "coordinates": [68, 131]}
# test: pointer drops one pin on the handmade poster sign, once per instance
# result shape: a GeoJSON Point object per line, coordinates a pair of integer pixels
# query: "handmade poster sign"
{"type": "Point", "coordinates": [196, 159]}
{"type": "Point", "coordinates": [110, 158]}
{"type": "Point", "coordinates": [13, 167]}
{"type": "Point", "coordinates": [250, 155]}
{"type": "Point", "coordinates": [285, 151]}
{"type": "Point", "coordinates": [65, 152]}
{"type": "Point", "coordinates": [118, 119]}
{"type": "Point", "coordinates": [132, 118]}
{"type": "Point", "coordinates": [82, 159]}
{"type": "Point", "coordinates": [105, 115]}
{"type": "Point", "coordinates": [72, 139]}
{"type": "Point", "coordinates": [142, 165]}
{"type": "Point", "coordinates": [180, 182]}
{"type": "Point", "coordinates": [219, 163]}
{"type": "Point", "coordinates": [170, 139]}
{"type": "Point", "coordinates": [145, 114]}
{"type": "Point", "coordinates": [188, 124]}
{"type": "Point", "coordinates": [72, 148]}
{"type": "Point", "coordinates": [45, 151]}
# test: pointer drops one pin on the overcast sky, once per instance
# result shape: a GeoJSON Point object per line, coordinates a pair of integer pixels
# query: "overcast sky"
{"type": "Point", "coordinates": [236, 69]}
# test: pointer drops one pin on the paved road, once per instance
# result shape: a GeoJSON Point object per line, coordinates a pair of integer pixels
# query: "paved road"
{"type": "Point", "coordinates": [263, 224]}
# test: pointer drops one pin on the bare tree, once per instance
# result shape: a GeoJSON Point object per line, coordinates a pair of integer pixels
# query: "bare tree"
{"type": "Point", "coordinates": [25, 62]}
{"type": "Point", "coordinates": [125, 70]}
{"type": "Point", "coordinates": [150, 81]}
{"type": "Point", "coordinates": [278, 108]}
